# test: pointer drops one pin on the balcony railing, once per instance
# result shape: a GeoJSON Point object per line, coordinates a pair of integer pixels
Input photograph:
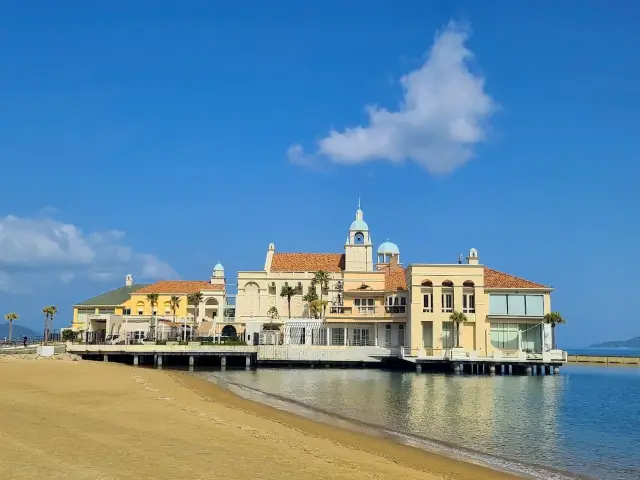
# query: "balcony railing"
{"type": "Point", "coordinates": [359, 310]}
{"type": "Point", "coordinates": [395, 309]}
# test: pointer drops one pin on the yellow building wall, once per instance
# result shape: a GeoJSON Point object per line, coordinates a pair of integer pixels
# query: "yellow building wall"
{"type": "Point", "coordinates": [135, 299]}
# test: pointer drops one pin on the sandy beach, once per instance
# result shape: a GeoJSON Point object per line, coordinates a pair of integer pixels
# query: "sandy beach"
{"type": "Point", "coordinates": [90, 420]}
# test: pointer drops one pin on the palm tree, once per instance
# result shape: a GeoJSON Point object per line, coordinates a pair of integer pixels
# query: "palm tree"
{"type": "Point", "coordinates": [53, 311]}
{"type": "Point", "coordinates": [553, 319]}
{"type": "Point", "coordinates": [458, 318]}
{"type": "Point", "coordinates": [321, 277]}
{"type": "Point", "coordinates": [47, 313]}
{"type": "Point", "coordinates": [153, 301]}
{"type": "Point", "coordinates": [318, 307]}
{"type": "Point", "coordinates": [174, 304]}
{"type": "Point", "coordinates": [196, 299]}
{"type": "Point", "coordinates": [288, 292]}
{"type": "Point", "coordinates": [311, 297]}
{"type": "Point", "coordinates": [10, 317]}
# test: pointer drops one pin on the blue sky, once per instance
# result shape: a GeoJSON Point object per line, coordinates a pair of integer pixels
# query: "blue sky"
{"type": "Point", "coordinates": [156, 138]}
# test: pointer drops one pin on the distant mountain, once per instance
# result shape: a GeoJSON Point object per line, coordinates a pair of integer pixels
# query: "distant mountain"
{"type": "Point", "coordinates": [18, 331]}
{"type": "Point", "coordinates": [631, 343]}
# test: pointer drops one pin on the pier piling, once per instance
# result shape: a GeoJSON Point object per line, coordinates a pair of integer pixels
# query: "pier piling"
{"type": "Point", "coordinates": [418, 368]}
{"type": "Point", "coordinates": [223, 363]}
{"type": "Point", "coordinates": [159, 362]}
{"type": "Point", "coordinates": [192, 363]}
{"type": "Point", "coordinates": [105, 358]}
{"type": "Point", "coordinates": [492, 370]}
{"type": "Point", "coordinates": [247, 362]}
{"type": "Point", "coordinates": [136, 360]}
{"type": "Point", "coordinates": [556, 370]}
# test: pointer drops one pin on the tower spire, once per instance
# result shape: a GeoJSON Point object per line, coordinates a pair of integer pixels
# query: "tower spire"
{"type": "Point", "coordinates": [358, 201]}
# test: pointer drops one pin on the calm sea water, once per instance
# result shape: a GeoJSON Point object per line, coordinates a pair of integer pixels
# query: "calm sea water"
{"type": "Point", "coordinates": [611, 352]}
{"type": "Point", "coordinates": [585, 421]}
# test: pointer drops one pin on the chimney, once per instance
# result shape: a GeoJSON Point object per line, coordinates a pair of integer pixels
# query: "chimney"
{"type": "Point", "coordinates": [128, 281]}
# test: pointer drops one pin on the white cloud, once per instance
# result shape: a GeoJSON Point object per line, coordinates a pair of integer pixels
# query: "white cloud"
{"type": "Point", "coordinates": [443, 115]}
{"type": "Point", "coordinates": [40, 251]}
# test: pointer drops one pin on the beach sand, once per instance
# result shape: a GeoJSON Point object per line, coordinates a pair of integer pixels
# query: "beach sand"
{"type": "Point", "coordinates": [94, 420]}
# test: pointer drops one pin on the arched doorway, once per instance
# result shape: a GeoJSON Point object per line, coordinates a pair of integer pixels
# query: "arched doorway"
{"type": "Point", "coordinates": [229, 331]}
{"type": "Point", "coordinates": [211, 309]}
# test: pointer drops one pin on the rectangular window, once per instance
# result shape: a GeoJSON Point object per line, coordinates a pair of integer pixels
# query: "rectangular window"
{"type": "Point", "coordinates": [469, 303]}
{"type": "Point", "coordinates": [361, 337]}
{"type": "Point", "coordinates": [497, 304]}
{"type": "Point", "coordinates": [427, 303]}
{"type": "Point", "coordinates": [126, 311]}
{"type": "Point", "coordinates": [403, 300]}
{"type": "Point", "coordinates": [337, 336]}
{"type": "Point", "coordinates": [504, 336]}
{"type": "Point", "coordinates": [448, 336]}
{"type": "Point", "coordinates": [447, 302]}
{"type": "Point", "coordinates": [515, 305]}
{"type": "Point", "coordinates": [531, 337]}
{"type": "Point", "coordinates": [535, 305]}
{"type": "Point", "coordinates": [401, 335]}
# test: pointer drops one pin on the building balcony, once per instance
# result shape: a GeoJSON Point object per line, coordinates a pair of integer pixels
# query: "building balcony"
{"type": "Point", "coordinates": [395, 309]}
{"type": "Point", "coordinates": [366, 312]}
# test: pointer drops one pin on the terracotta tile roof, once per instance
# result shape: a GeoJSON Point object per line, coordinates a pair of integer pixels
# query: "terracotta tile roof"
{"type": "Point", "coordinates": [394, 278]}
{"type": "Point", "coordinates": [179, 287]}
{"type": "Point", "coordinates": [496, 279]}
{"type": "Point", "coordinates": [307, 262]}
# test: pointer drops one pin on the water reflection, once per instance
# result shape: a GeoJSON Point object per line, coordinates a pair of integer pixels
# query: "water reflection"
{"type": "Point", "coordinates": [524, 419]}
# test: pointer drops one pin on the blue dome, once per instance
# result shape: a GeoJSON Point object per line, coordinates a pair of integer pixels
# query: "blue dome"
{"type": "Point", "coordinates": [218, 267]}
{"type": "Point", "coordinates": [389, 247]}
{"type": "Point", "coordinates": [359, 225]}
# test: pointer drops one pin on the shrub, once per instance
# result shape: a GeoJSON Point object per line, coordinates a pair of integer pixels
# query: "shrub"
{"type": "Point", "coordinates": [161, 342]}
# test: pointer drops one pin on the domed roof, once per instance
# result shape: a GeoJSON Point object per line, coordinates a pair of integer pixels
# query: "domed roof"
{"type": "Point", "coordinates": [389, 247]}
{"type": "Point", "coordinates": [359, 223]}
{"type": "Point", "coordinates": [218, 267]}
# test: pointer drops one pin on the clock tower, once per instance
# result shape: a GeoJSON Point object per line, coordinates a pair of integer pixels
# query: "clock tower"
{"type": "Point", "coordinates": [358, 251]}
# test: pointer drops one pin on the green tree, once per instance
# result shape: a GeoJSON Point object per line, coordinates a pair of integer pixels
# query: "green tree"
{"type": "Point", "coordinates": [50, 312]}
{"type": "Point", "coordinates": [153, 302]}
{"type": "Point", "coordinates": [195, 299]}
{"type": "Point", "coordinates": [288, 292]}
{"type": "Point", "coordinates": [553, 319]}
{"type": "Point", "coordinates": [458, 318]}
{"type": "Point", "coordinates": [11, 317]}
{"type": "Point", "coordinates": [46, 311]}
{"type": "Point", "coordinates": [321, 277]}
{"type": "Point", "coordinates": [273, 313]}
{"type": "Point", "coordinates": [174, 304]}
{"type": "Point", "coordinates": [318, 307]}
{"type": "Point", "coordinates": [311, 297]}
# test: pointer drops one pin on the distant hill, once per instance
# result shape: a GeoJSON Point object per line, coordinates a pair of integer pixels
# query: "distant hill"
{"type": "Point", "coordinates": [631, 343]}
{"type": "Point", "coordinates": [18, 331]}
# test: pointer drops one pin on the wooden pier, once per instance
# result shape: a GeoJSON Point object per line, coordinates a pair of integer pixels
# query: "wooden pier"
{"type": "Point", "coordinates": [293, 356]}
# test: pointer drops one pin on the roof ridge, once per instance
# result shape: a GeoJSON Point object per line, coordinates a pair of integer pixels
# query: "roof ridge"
{"type": "Point", "coordinates": [307, 253]}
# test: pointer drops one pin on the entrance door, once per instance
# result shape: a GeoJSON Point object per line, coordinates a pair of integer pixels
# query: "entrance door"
{"type": "Point", "coordinates": [427, 337]}
{"type": "Point", "coordinates": [387, 336]}
{"type": "Point", "coordinates": [401, 335]}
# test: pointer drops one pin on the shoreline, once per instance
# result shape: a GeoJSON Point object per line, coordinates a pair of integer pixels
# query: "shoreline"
{"type": "Point", "coordinates": [349, 433]}
{"type": "Point", "coordinates": [441, 449]}
{"type": "Point", "coordinates": [94, 420]}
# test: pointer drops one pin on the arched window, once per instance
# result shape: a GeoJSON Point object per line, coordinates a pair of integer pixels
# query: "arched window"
{"type": "Point", "coordinates": [358, 238]}
{"type": "Point", "coordinates": [468, 283]}
{"type": "Point", "coordinates": [447, 283]}
{"type": "Point", "coordinates": [427, 283]}
{"type": "Point", "coordinates": [167, 308]}
{"type": "Point", "coordinates": [140, 308]}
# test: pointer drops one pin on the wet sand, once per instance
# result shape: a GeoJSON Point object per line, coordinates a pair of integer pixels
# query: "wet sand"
{"type": "Point", "coordinates": [90, 420]}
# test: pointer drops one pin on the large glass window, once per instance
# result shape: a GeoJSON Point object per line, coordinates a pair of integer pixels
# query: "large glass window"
{"type": "Point", "coordinates": [448, 335]}
{"type": "Point", "coordinates": [427, 303]}
{"type": "Point", "coordinates": [535, 305]}
{"type": "Point", "coordinates": [531, 337]}
{"type": "Point", "coordinates": [337, 336]}
{"type": "Point", "coordinates": [504, 336]}
{"type": "Point", "coordinates": [516, 305]}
